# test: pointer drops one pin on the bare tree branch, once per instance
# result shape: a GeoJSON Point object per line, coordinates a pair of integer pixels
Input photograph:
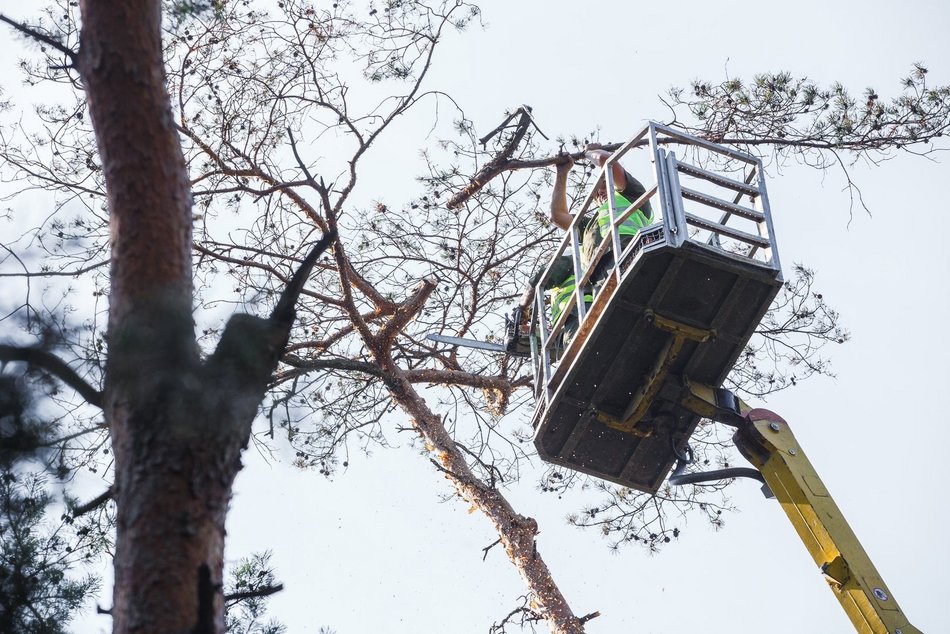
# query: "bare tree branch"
{"type": "Point", "coordinates": [52, 364]}
{"type": "Point", "coordinates": [97, 501]}
{"type": "Point", "coordinates": [501, 161]}
{"type": "Point", "coordinates": [40, 37]}
{"type": "Point", "coordinates": [266, 591]}
{"type": "Point", "coordinates": [405, 313]}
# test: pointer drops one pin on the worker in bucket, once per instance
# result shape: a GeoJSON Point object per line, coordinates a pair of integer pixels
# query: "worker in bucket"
{"type": "Point", "coordinates": [561, 282]}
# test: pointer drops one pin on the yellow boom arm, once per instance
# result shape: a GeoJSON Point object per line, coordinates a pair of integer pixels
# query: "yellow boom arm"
{"type": "Point", "coordinates": [766, 441]}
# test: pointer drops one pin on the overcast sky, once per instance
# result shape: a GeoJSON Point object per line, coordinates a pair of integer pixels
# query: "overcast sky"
{"type": "Point", "coordinates": [374, 550]}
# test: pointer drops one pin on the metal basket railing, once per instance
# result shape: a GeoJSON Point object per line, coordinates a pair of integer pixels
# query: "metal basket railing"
{"type": "Point", "coordinates": [698, 202]}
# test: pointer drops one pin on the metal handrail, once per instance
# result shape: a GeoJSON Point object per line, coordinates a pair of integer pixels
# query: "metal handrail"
{"type": "Point", "coordinates": [675, 221]}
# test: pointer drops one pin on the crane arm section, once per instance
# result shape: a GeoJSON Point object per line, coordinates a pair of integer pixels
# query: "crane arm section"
{"type": "Point", "coordinates": [767, 442]}
{"type": "Point", "coordinates": [764, 439]}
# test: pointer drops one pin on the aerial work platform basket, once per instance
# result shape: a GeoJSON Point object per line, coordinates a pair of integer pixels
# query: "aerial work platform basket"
{"type": "Point", "coordinates": [680, 304]}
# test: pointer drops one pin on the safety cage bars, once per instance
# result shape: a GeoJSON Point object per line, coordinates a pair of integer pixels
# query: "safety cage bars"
{"type": "Point", "coordinates": [700, 204]}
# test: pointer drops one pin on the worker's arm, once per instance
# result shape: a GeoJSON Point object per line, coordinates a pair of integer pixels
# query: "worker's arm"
{"type": "Point", "coordinates": [559, 211]}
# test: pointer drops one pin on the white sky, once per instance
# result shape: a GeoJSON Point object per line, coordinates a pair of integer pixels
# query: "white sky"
{"type": "Point", "coordinates": [375, 551]}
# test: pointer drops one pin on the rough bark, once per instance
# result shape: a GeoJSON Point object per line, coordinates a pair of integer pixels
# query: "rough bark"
{"type": "Point", "coordinates": [177, 449]}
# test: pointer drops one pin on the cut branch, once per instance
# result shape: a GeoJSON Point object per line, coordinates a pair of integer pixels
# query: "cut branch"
{"type": "Point", "coordinates": [589, 617]}
{"type": "Point", "coordinates": [502, 160]}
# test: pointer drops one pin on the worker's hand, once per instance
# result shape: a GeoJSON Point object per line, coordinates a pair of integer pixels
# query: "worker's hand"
{"type": "Point", "coordinates": [596, 154]}
{"type": "Point", "coordinates": [564, 164]}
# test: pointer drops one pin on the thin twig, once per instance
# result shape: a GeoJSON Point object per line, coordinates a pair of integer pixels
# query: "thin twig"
{"type": "Point", "coordinates": [74, 273]}
{"type": "Point", "coordinates": [321, 186]}
{"type": "Point", "coordinates": [456, 476]}
{"type": "Point", "coordinates": [493, 471]}
{"type": "Point", "coordinates": [489, 547]}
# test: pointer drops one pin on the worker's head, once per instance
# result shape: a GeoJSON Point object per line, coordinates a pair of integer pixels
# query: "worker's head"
{"type": "Point", "coordinates": [597, 158]}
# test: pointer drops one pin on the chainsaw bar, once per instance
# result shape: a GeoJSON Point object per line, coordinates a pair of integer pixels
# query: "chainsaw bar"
{"type": "Point", "coordinates": [468, 343]}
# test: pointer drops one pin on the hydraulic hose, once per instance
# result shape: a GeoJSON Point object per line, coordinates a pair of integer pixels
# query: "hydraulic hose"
{"type": "Point", "coordinates": [678, 478]}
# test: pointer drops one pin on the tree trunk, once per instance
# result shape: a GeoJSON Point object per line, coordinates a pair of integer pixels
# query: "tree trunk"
{"type": "Point", "coordinates": [179, 425]}
{"type": "Point", "coordinates": [175, 457]}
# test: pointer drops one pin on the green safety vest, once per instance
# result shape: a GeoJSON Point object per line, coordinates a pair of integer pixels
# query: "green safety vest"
{"type": "Point", "coordinates": [629, 227]}
{"type": "Point", "coordinates": [561, 294]}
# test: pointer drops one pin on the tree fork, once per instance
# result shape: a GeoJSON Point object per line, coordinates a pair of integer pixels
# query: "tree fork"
{"type": "Point", "coordinates": [178, 425]}
{"type": "Point", "coordinates": [517, 532]}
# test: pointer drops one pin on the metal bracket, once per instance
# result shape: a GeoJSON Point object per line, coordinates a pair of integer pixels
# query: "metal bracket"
{"type": "Point", "coordinates": [837, 572]}
{"type": "Point", "coordinates": [647, 391]}
{"type": "Point", "coordinates": [716, 404]}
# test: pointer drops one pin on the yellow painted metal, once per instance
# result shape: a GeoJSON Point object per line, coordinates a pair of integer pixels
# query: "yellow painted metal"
{"type": "Point", "coordinates": [768, 443]}
{"type": "Point", "coordinates": [643, 398]}
{"type": "Point", "coordinates": [680, 329]}
{"type": "Point", "coordinates": [701, 399]}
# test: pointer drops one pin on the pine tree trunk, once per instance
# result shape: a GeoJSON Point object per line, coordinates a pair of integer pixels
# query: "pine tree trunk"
{"type": "Point", "coordinates": [175, 455]}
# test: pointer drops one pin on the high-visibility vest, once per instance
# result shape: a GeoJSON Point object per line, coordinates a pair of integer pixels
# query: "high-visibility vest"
{"type": "Point", "coordinates": [629, 227]}
{"type": "Point", "coordinates": [561, 294]}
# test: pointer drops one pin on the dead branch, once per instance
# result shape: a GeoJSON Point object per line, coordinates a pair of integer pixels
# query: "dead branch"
{"type": "Point", "coordinates": [524, 611]}
{"type": "Point", "coordinates": [502, 160]}
{"type": "Point", "coordinates": [456, 377]}
{"type": "Point", "coordinates": [489, 547]}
